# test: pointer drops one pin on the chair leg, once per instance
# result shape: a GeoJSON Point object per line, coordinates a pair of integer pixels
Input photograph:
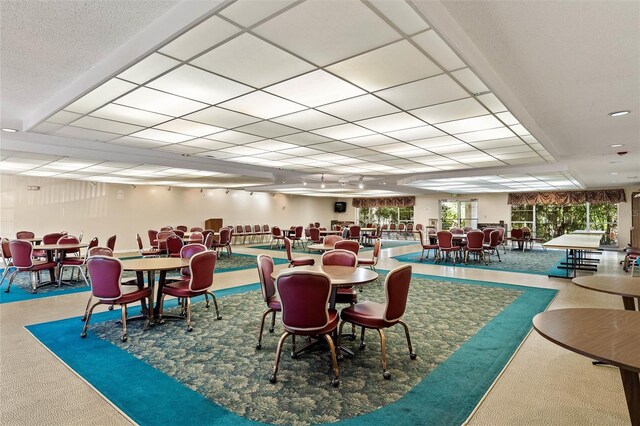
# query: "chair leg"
{"type": "Point", "coordinates": [334, 362]}
{"type": "Point", "coordinates": [215, 304]}
{"type": "Point", "coordinates": [264, 315]}
{"type": "Point", "coordinates": [84, 277]}
{"type": "Point", "coordinates": [34, 283]}
{"type": "Point", "coordinates": [422, 255]}
{"type": "Point", "coordinates": [273, 377]}
{"type": "Point", "coordinates": [86, 309]}
{"type": "Point", "coordinates": [383, 350]}
{"type": "Point", "coordinates": [188, 302]}
{"type": "Point", "coordinates": [362, 344]}
{"type": "Point", "coordinates": [123, 311]}
{"type": "Point", "coordinates": [412, 354]}
{"type": "Point", "coordinates": [498, 253]}
{"type": "Point", "coordinates": [273, 322]}
{"type": "Point", "coordinates": [160, 320]}
{"type": "Point", "coordinates": [4, 274]}
{"type": "Point", "coordinates": [11, 281]}
{"type": "Point", "coordinates": [86, 323]}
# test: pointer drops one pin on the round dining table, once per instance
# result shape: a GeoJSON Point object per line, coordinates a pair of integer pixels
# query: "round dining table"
{"type": "Point", "coordinates": [627, 287]}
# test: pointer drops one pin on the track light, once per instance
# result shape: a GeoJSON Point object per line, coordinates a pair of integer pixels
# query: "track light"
{"type": "Point", "coordinates": [133, 186]}
{"type": "Point", "coordinates": [322, 185]}
{"type": "Point", "coordinates": [169, 189]}
{"type": "Point", "coordinates": [361, 184]}
{"type": "Point", "coordinates": [251, 193]}
{"type": "Point", "coordinates": [93, 183]}
{"type": "Point", "coordinates": [226, 192]}
{"type": "Point", "coordinates": [304, 182]}
{"type": "Point", "coordinates": [201, 190]}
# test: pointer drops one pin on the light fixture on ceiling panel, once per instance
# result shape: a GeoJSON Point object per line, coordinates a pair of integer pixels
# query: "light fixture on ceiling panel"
{"type": "Point", "coordinates": [616, 145]}
{"type": "Point", "coordinates": [8, 130]}
{"type": "Point", "coordinates": [322, 185]}
{"type": "Point", "coordinates": [619, 113]}
{"type": "Point", "coordinates": [169, 189]}
{"type": "Point", "coordinates": [361, 183]}
{"type": "Point", "coordinates": [226, 192]}
{"type": "Point", "coordinates": [304, 182]}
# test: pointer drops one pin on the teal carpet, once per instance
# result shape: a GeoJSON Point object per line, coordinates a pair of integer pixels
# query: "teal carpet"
{"type": "Point", "coordinates": [463, 332]}
{"type": "Point", "coordinates": [21, 287]}
{"type": "Point", "coordinates": [539, 262]}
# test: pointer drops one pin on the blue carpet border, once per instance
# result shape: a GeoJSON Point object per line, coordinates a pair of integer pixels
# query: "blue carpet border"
{"type": "Point", "coordinates": [476, 364]}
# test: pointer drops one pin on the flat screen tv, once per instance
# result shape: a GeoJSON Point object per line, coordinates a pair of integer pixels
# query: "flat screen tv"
{"type": "Point", "coordinates": [340, 207]}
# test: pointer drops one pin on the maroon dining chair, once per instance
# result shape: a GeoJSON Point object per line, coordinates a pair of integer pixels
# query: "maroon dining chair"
{"type": "Point", "coordinates": [201, 268]}
{"type": "Point", "coordinates": [179, 233]}
{"type": "Point", "coordinates": [208, 239]}
{"type": "Point", "coordinates": [296, 261]}
{"type": "Point", "coordinates": [378, 316]}
{"type": "Point", "coordinates": [187, 252]}
{"type": "Point", "coordinates": [223, 242]}
{"type": "Point", "coordinates": [106, 275]}
{"type": "Point", "coordinates": [371, 263]}
{"type": "Point", "coordinates": [153, 238]}
{"type": "Point", "coordinates": [174, 245]}
{"type": "Point", "coordinates": [350, 245]}
{"type": "Point", "coordinates": [196, 238]}
{"type": "Point", "coordinates": [331, 240]}
{"type": "Point", "coordinates": [494, 245]}
{"type": "Point", "coordinates": [166, 228]}
{"type": "Point", "coordinates": [22, 255]}
{"type": "Point", "coordinates": [195, 229]}
{"type": "Point", "coordinates": [487, 234]}
{"type": "Point", "coordinates": [153, 252]}
{"type": "Point", "coordinates": [248, 232]}
{"type": "Point", "coordinates": [427, 246]}
{"type": "Point", "coordinates": [111, 242]}
{"type": "Point", "coordinates": [70, 259]}
{"type": "Point", "coordinates": [23, 235]}
{"type": "Point", "coordinates": [354, 232]}
{"type": "Point", "coordinates": [314, 236]}
{"type": "Point", "coordinates": [269, 295]}
{"type": "Point", "coordinates": [445, 245]}
{"type": "Point", "coordinates": [257, 232]}
{"type": "Point", "coordinates": [162, 240]}
{"type": "Point", "coordinates": [340, 257]}
{"type": "Point", "coordinates": [475, 245]}
{"type": "Point", "coordinates": [94, 250]}
{"type": "Point", "coordinates": [296, 237]}
{"type": "Point", "coordinates": [304, 298]}
{"type": "Point", "coordinates": [182, 228]}
{"type": "Point", "coordinates": [51, 238]}
{"type": "Point", "coordinates": [276, 236]}
{"type": "Point", "coordinates": [7, 261]}
{"type": "Point", "coordinates": [239, 232]}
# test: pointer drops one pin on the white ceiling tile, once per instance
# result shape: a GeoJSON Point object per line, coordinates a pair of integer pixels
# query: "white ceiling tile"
{"type": "Point", "coordinates": [343, 131]}
{"type": "Point", "coordinates": [63, 117]}
{"type": "Point", "coordinates": [202, 37]}
{"type": "Point", "coordinates": [359, 153]}
{"type": "Point", "coordinates": [249, 60]}
{"type": "Point", "coordinates": [130, 115]}
{"type": "Point", "coordinates": [88, 134]}
{"type": "Point", "coordinates": [189, 127]}
{"type": "Point", "coordinates": [159, 102]}
{"type": "Point", "coordinates": [308, 120]}
{"type": "Point", "coordinates": [106, 125]}
{"type": "Point", "coordinates": [439, 141]}
{"type": "Point", "coordinates": [482, 135]}
{"type": "Point", "coordinates": [389, 123]}
{"type": "Point", "coordinates": [470, 124]}
{"type": "Point", "coordinates": [46, 127]}
{"type": "Point", "coordinates": [263, 105]}
{"type": "Point", "coordinates": [100, 96]}
{"type": "Point", "coordinates": [180, 149]}
{"type": "Point", "coordinates": [267, 129]}
{"type": "Point", "coordinates": [359, 108]}
{"type": "Point", "coordinates": [517, 155]}
{"type": "Point", "coordinates": [438, 50]}
{"type": "Point", "coordinates": [492, 102]}
{"type": "Point", "coordinates": [148, 68]}
{"type": "Point", "coordinates": [38, 173]}
{"type": "Point", "coordinates": [303, 139]}
{"type": "Point", "coordinates": [395, 148]}
{"type": "Point", "coordinates": [137, 142]}
{"type": "Point", "coordinates": [220, 117]}
{"type": "Point", "coordinates": [449, 111]}
{"type": "Point", "coordinates": [387, 66]}
{"type": "Point", "coordinates": [161, 135]}
{"type": "Point", "coordinates": [468, 79]}
{"type": "Point", "coordinates": [242, 150]}
{"type": "Point", "coordinates": [274, 156]}
{"type": "Point", "coordinates": [402, 15]}
{"type": "Point", "coordinates": [415, 133]}
{"type": "Point", "coordinates": [372, 140]}
{"type": "Point", "coordinates": [248, 12]}
{"type": "Point", "coordinates": [498, 143]}
{"type": "Point", "coordinates": [376, 157]}
{"type": "Point", "coordinates": [433, 90]}
{"type": "Point", "coordinates": [315, 88]}
{"type": "Point", "coordinates": [507, 118]}
{"type": "Point", "coordinates": [327, 157]}
{"type": "Point", "coordinates": [301, 151]}
{"type": "Point", "coordinates": [234, 137]}
{"type": "Point", "coordinates": [271, 145]}
{"type": "Point", "coordinates": [199, 85]}
{"type": "Point", "coordinates": [324, 34]}
{"type": "Point", "coordinates": [509, 149]}
{"type": "Point", "coordinates": [332, 146]}
{"type": "Point", "coordinates": [519, 161]}
{"type": "Point", "coordinates": [207, 144]}
{"type": "Point", "coordinates": [519, 129]}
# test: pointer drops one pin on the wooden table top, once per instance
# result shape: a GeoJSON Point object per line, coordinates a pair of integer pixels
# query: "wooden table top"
{"type": "Point", "coordinates": [155, 264]}
{"type": "Point", "coordinates": [60, 246]}
{"type": "Point", "coordinates": [341, 276]}
{"type": "Point", "coordinates": [613, 284]}
{"type": "Point", "coordinates": [574, 242]}
{"type": "Point", "coordinates": [328, 232]}
{"type": "Point", "coordinates": [610, 335]}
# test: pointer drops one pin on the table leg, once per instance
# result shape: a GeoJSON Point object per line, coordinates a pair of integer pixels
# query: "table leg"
{"type": "Point", "coordinates": [629, 303]}
{"type": "Point", "coordinates": [631, 384]}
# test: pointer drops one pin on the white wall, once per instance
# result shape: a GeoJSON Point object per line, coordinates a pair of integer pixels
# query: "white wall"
{"type": "Point", "coordinates": [106, 209]}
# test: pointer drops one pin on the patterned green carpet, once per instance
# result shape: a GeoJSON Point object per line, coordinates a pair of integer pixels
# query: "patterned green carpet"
{"type": "Point", "coordinates": [530, 262]}
{"type": "Point", "coordinates": [219, 360]}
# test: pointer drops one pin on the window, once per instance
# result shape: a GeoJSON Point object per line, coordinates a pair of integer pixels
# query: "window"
{"type": "Point", "coordinates": [458, 214]}
{"type": "Point", "coordinates": [385, 215]}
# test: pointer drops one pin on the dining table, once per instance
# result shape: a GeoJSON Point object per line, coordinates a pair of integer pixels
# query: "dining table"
{"type": "Point", "coordinates": [577, 248]}
{"type": "Point", "coordinates": [52, 252]}
{"type": "Point", "coordinates": [621, 285]}
{"type": "Point", "coordinates": [323, 247]}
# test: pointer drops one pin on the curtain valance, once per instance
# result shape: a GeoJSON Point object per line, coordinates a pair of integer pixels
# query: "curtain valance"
{"type": "Point", "coordinates": [384, 202]}
{"type": "Point", "coordinates": [565, 198]}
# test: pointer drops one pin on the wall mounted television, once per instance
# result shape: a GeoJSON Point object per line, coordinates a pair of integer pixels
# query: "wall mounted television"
{"type": "Point", "coordinates": [340, 207]}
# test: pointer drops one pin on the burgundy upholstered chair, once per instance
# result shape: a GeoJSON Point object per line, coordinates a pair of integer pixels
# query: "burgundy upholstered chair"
{"type": "Point", "coordinates": [276, 236]}
{"type": "Point", "coordinates": [100, 251]}
{"type": "Point", "coordinates": [182, 228]}
{"type": "Point", "coordinates": [350, 245]}
{"type": "Point", "coordinates": [419, 227]}
{"type": "Point", "coordinates": [195, 229]}
{"type": "Point", "coordinates": [427, 246]}
{"type": "Point", "coordinates": [354, 232]}
{"type": "Point", "coordinates": [166, 228]}
{"type": "Point", "coordinates": [487, 234]}
{"type": "Point", "coordinates": [474, 245]}
{"type": "Point", "coordinates": [517, 236]}
{"type": "Point", "coordinates": [196, 237]}
{"type": "Point", "coordinates": [409, 230]}
{"type": "Point", "coordinates": [316, 224]}
{"type": "Point", "coordinates": [314, 236]}
{"type": "Point", "coordinates": [456, 231]}
{"type": "Point", "coordinates": [269, 295]}
{"type": "Point", "coordinates": [208, 239]}
{"type": "Point", "coordinates": [494, 245]}
{"type": "Point", "coordinates": [378, 316]}
{"type": "Point", "coordinates": [111, 242]}
{"type": "Point", "coordinates": [445, 245]}
{"type": "Point", "coordinates": [371, 263]}
{"type": "Point", "coordinates": [174, 244]}
{"type": "Point", "coordinates": [201, 268]}
{"type": "Point", "coordinates": [71, 259]}
{"type": "Point", "coordinates": [223, 242]}
{"type": "Point", "coordinates": [106, 274]}
{"type": "Point", "coordinates": [297, 236]}
{"type": "Point", "coordinates": [239, 233]}
{"type": "Point", "coordinates": [47, 239]}
{"type": "Point", "coordinates": [296, 261]}
{"type": "Point", "coordinates": [7, 261]}
{"type": "Point", "coordinates": [187, 252]}
{"type": "Point", "coordinates": [401, 230]}
{"type": "Point", "coordinates": [23, 235]}
{"type": "Point", "coordinates": [340, 257]}
{"type": "Point", "coordinates": [22, 255]}
{"type": "Point", "coordinates": [330, 240]}
{"type": "Point", "coordinates": [304, 297]}
{"type": "Point", "coordinates": [179, 233]}
{"type": "Point", "coordinates": [248, 232]}
{"type": "Point", "coordinates": [467, 229]}
{"type": "Point", "coordinates": [153, 238]}
{"type": "Point", "coordinates": [392, 230]}
{"type": "Point", "coordinates": [257, 232]}
{"type": "Point", "coordinates": [146, 253]}
{"type": "Point", "coordinates": [162, 240]}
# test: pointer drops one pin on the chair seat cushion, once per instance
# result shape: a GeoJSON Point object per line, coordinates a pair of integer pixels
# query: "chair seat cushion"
{"type": "Point", "coordinates": [181, 289]}
{"type": "Point", "coordinates": [430, 246]}
{"type": "Point", "coordinates": [274, 303]}
{"type": "Point", "coordinates": [130, 297]}
{"type": "Point", "coordinates": [366, 314]}
{"type": "Point", "coordinates": [301, 261]}
{"type": "Point", "coordinates": [42, 265]}
{"type": "Point", "coordinates": [455, 248]}
{"type": "Point", "coordinates": [366, 262]}
{"type": "Point", "coordinates": [73, 261]}
{"type": "Point", "coordinates": [331, 325]}
{"type": "Point", "coordinates": [475, 249]}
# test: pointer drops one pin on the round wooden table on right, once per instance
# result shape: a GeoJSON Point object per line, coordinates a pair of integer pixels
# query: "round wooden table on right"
{"type": "Point", "coordinates": [627, 287]}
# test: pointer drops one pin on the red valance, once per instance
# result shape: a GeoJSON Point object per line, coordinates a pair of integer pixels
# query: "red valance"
{"type": "Point", "coordinates": [566, 198]}
{"type": "Point", "coordinates": [409, 201]}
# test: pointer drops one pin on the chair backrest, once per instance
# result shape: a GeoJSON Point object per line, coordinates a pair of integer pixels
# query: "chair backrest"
{"type": "Point", "coordinates": [487, 234]}
{"type": "Point", "coordinates": [248, 229]}
{"type": "Point", "coordinates": [20, 235]}
{"type": "Point", "coordinates": [100, 251]}
{"type": "Point", "coordinates": [385, 226]}
{"type": "Point", "coordinates": [201, 267]}
{"type": "Point", "coordinates": [153, 236]}
{"type": "Point", "coordinates": [21, 252]}
{"type": "Point", "coordinates": [516, 233]}
{"type": "Point", "coordinates": [139, 241]}
{"type": "Point", "coordinates": [196, 229]}
{"type": "Point", "coordinates": [179, 232]}
{"type": "Point", "coordinates": [265, 268]}
{"type": "Point", "coordinates": [186, 252]}
{"type": "Point", "coordinates": [409, 227]}
{"type": "Point", "coordinates": [287, 245]}
{"type": "Point", "coordinates": [275, 231]}
{"type": "Point", "coordinates": [501, 230]}
{"type": "Point", "coordinates": [330, 240]}
{"type": "Point", "coordinates": [467, 229]}
{"type": "Point", "coordinates": [163, 235]}
{"type": "Point", "coordinates": [445, 239]}
{"type": "Point", "coordinates": [392, 226]}
{"type": "Point", "coordinates": [401, 227]}
{"type": "Point", "coordinates": [526, 231]}
{"type": "Point", "coordinates": [239, 229]}
{"type": "Point", "coordinates": [475, 239]}
{"type": "Point", "coordinates": [257, 229]}
{"type": "Point", "coordinates": [494, 238]}
{"type": "Point", "coordinates": [316, 224]}
{"type": "Point", "coordinates": [457, 231]}
{"type": "Point", "coordinates": [354, 231]}
{"type": "Point", "coordinates": [182, 228]}
{"type": "Point", "coordinates": [166, 228]}
{"type": "Point", "coordinates": [225, 236]}
{"type": "Point", "coordinates": [339, 257]}
{"type": "Point", "coordinates": [111, 242]}
{"type": "Point", "coordinates": [376, 248]}
{"type": "Point", "coordinates": [196, 237]}
{"type": "Point", "coordinates": [208, 239]}
{"type": "Point", "coordinates": [396, 287]}
{"type": "Point", "coordinates": [266, 229]}
{"type": "Point", "coordinates": [174, 244]}
{"type": "Point", "coordinates": [52, 238]}
{"type": "Point", "coordinates": [314, 234]}
{"type": "Point", "coordinates": [105, 273]}
{"type": "Point", "coordinates": [337, 227]}
{"type": "Point", "coordinates": [5, 251]}
{"type": "Point", "coordinates": [68, 239]}
{"type": "Point", "coordinates": [350, 245]}
{"type": "Point", "coordinates": [299, 230]}
{"type": "Point", "coordinates": [419, 227]}
{"type": "Point", "coordinates": [304, 296]}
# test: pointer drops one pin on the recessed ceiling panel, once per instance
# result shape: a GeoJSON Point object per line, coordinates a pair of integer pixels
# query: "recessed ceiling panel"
{"type": "Point", "coordinates": [271, 145]}
{"type": "Point", "coordinates": [449, 111]}
{"type": "Point", "coordinates": [100, 96]}
{"type": "Point", "coordinates": [106, 125]}
{"type": "Point", "coordinates": [208, 144]}
{"type": "Point", "coordinates": [88, 134]}
{"type": "Point", "coordinates": [63, 117]}
{"type": "Point", "coordinates": [137, 142]}
{"type": "Point", "coordinates": [161, 135]}
{"type": "Point", "coordinates": [430, 91]}
{"type": "Point", "coordinates": [324, 33]}
{"type": "Point", "coordinates": [267, 129]}
{"type": "Point", "coordinates": [470, 81]}
{"type": "Point", "coordinates": [234, 137]}
{"type": "Point", "coordinates": [482, 135]}
{"type": "Point", "coordinates": [492, 102]}
{"type": "Point", "coordinates": [220, 117]}
{"type": "Point", "coordinates": [148, 68]}
{"type": "Point", "coordinates": [470, 124]}
{"type": "Point", "coordinates": [372, 140]}
{"type": "Point", "coordinates": [401, 14]}
{"type": "Point", "coordinates": [359, 108]}
{"type": "Point", "coordinates": [159, 102]}
{"type": "Point", "coordinates": [315, 88]}
{"type": "Point", "coordinates": [303, 139]}
{"type": "Point", "coordinates": [252, 61]}
{"type": "Point", "coordinates": [263, 105]}
{"type": "Point", "coordinates": [343, 131]}
{"type": "Point", "coordinates": [438, 50]}
{"type": "Point", "coordinates": [415, 133]}
{"type": "Point", "coordinates": [189, 127]}
{"type": "Point", "coordinates": [130, 115]}
{"type": "Point", "coordinates": [308, 120]}
{"type": "Point", "coordinates": [389, 123]}
{"type": "Point", "coordinates": [248, 12]}
{"type": "Point", "coordinates": [397, 63]}
{"type": "Point", "coordinates": [207, 34]}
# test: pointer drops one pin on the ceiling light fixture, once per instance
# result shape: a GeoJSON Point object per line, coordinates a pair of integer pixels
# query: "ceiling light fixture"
{"type": "Point", "coordinates": [226, 192]}
{"type": "Point", "coordinates": [9, 130]}
{"type": "Point", "coordinates": [619, 113]}
{"type": "Point", "coordinates": [133, 186]}
{"type": "Point", "coordinates": [361, 184]}
{"type": "Point", "coordinates": [322, 185]}
{"type": "Point", "coordinates": [169, 189]}
{"type": "Point", "coordinates": [616, 145]}
{"type": "Point", "coordinates": [304, 182]}
{"type": "Point", "coordinates": [614, 173]}
{"type": "Point", "coordinates": [251, 193]}
{"type": "Point", "coordinates": [201, 190]}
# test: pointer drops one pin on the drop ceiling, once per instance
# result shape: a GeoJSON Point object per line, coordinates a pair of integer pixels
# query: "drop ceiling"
{"type": "Point", "coordinates": [286, 92]}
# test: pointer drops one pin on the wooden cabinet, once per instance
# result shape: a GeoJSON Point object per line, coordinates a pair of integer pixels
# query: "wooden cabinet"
{"type": "Point", "coordinates": [214, 224]}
